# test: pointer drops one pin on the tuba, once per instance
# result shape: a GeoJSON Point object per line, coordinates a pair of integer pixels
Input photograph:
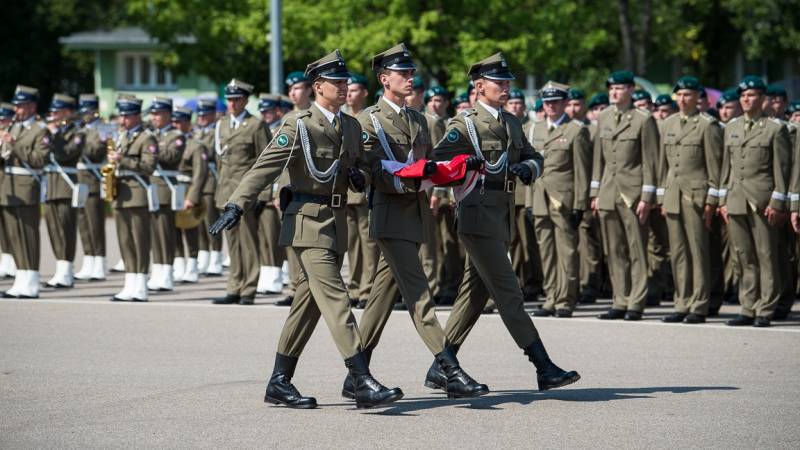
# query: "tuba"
{"type": "Point", "coordinates": [109, 174]}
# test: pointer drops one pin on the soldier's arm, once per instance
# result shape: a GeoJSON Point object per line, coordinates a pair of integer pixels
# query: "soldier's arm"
{"type": "Point", "coordinates": [261, 138]}
{"type": "Point", "coordinates": [358, 160]}
{"type": "Point", "coordinates": [781, 161]}
{"type": "Point", "coordinates": [455, 142]}
{"type": "Point", "coordinates": [597, 166]}
{"type": "Point", "coordinates": [582, 163]}
{"type": "Point", "coordinates": [712, 143]}
{"type": "Point", "coordinates": [649, 159]}
{"type": "Point", "coordinates": [725, 171]}
{"type": "Point", "coordinates": [39, 155]}
{"type": "Point", "coordinates": [382, 180]}
{"type": "Point", "coordinates": [533, 159]}
{"type": "Point", "coordinates": [199, 173]}
{"type": "Point", "coordinates": [145, 162]}
{"type": "Point", "coordinates": [662, 169]}
{"type": "Point", "coordinates": [171, 153]}
{"type": "Point", "coordinates": [438, 130]}
{"type": "Point", "coordinates": [72, 148]}
{"type": "Point", "coordinates": [94, 148]}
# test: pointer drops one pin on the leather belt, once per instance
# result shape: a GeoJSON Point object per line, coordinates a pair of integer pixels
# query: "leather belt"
{"type": "Point", "coordinates": [505, 186]}
{"type": "Point", "coordinates": [334, 201]}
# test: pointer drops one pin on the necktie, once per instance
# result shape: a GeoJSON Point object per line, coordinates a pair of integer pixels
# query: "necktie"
{"type": "Point", "coordinates": [337, 125]}
{"type": "Point", "coordinates": [404, 118]}
{"type": "Point", "coordinates": [618, 117]}
{"type": "Point", "coordinates": [749, 125]}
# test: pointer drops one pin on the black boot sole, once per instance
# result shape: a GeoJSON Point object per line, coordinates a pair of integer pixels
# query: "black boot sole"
{"type": "Point", "coordinates": [431, 385]}
{"type": "Point", "coordinates": [348, 395]}
{"type": "Point", "coordinates": [565, 382]}
{"type": "Point", "coordinates": [385, 402]}
{"type": "Point", "coordinates": [276, 401]}
{"type": "Point", "coordinates": [471, 395]}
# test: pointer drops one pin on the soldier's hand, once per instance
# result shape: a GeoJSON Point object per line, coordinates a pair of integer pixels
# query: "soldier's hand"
{"type": "Point", "coordinates": [723, 212]}
{"type": "Point", "coordinates": [227, 220]}
{"type": "Point", "coordinates": [357, 179]}
{"type": "Point", "coordinates": [708, 215]}
{"type": "Point", "coordinates": [575, 218]}
{"type": "Point", "coordinates": [642, 211]}
{"type": "Point", "coordinates": [595, 210]}
{"type": "Point", "coordinates": [187, 204]}
{"type": "Point", "coordinates": [795, 222]}
{"type": "Point", "coordinates": [523, 172]}
{"type": "Point", "coordinates": [429, 169]}
{"type": "Point", "coordinates": [435, 205]}
{"type": "Point", "coordinates": [774, 217]}
{"type": "Point", "coordinates": [114, 156]}
{"type": "Point", "coordinates": [474, 163]}
{"type": "Point", "coordinates": [662, 211]}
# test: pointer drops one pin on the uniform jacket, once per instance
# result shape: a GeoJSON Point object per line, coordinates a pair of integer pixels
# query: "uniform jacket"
{"type": "Point", "coordinates": [66, 150]}
{"type": "Point", "coordinates": [206, 135]}
{"type": "Point", "coordinates": [171, 145]}
{"type": "Point", "coordinates": [31, 145]}
{"type": "Point", "coordinates": [94, 149]}
{"type": "Point", "coordinates": [238, 150]}
{"type": "Point", "coordinates": [139, 150]}
{"type": "Point", "coordinates": [194, 164]}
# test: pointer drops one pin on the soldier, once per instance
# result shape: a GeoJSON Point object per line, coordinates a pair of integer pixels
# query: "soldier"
{"type": "Point", "coordinates": [135, 156]}
{"type": "Point", "coordinates": [659, 279]}
{"type": "Point", "coordinates": [643, 100]}
{"type": "Point", "coordinates": [320, 147]}
{"type": "Point", "coordinates": [728, 106]}
{"type": "Point", "coordinates": [362, 251]}
{"type": "Point", "coordinates": [63, 189]}
{"type": "Point", "coordinates": [597, 104]}
{"type": "Point", "coordinates": [239, 139]}
{"type": "Point", "coordinates": [688, 194]}
{"type": "Point", "coordinates": [498, 146]}
{"type": "Point", "coordinates": [7, 267]}
{"type": "Point", "coordinates": [793, 112]}
{"type": "Point", "coordinates": [192, 173]}
{"type": "Point", "coordinates": [25, 150]}
{"type": "Point", "coordinates": [560, 197]}
{"type": "Point", "coordinates": [538, 110]}
{"type": "Point", "coordinates": [299, 90]}
{"type": "Point", "coordinates": [663, 107]}
{"type": "Point", "coordinates": [623, 191]}
{"type": "Point", "coordinates": [92, 217]}
{"type": "Point", "coordinates": [209, 257]}
{"type": "Point", "coordinates": [755, 171]}
{"type": "Point", "coordinates": [576, 106]}
{"type": "Point", "coordinates": [461, 103]}
{"type": "Point", "coordinates": [171, 144]}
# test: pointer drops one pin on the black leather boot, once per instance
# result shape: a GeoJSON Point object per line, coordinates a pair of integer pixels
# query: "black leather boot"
{"type": "Point", "coordinates": [458, 383]}
{"type": "Point", "coordinates": [369, 393]}
{"type": "Point", "coordinates": [436, 378]}
{"type": "Point", "coordinates": [548, 375]}
{"type": "Point", "coordinates": [280, 389]}
{"type": "Point", "coordinates": [349, 386]}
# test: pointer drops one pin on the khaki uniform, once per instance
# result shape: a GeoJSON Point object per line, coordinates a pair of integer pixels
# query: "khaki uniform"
{"type": "Point", "coordinates": [236, 151]}
{"type": "Point", "coordinates": [207, 241]}
{"type": "Point", "coordinates": [271, 255]}
{"type": "Point", "coordinates": [193, 169]}
{"type": "Point", "coordinates": [562, 189]}
{"type": "Point", "coordinates": [316, 232]}
{"type": "Point", "coordinates": [594, 273]}
{"type": "Point", "coordinates": [755, 174]}
{"type": "Point", "coordinates": [60, 216]}
{"type": "Point", "coordinates": [486, 224]}
{"type": "Point", "coordinates": [691, 156]}
{"type": "Point", "coordinates": [623, 174]}
{"type": "Point", "coordinates": [91, 218]}
{"type": "Point", "coordinates": [362, 251]}
{"type": "Point", "coordinates": [171, 145]}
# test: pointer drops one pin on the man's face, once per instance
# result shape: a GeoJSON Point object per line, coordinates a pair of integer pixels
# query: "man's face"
{"type": "Point", "coordinates": [728, 111]}
{"type": "Point", "coordinates": [795, 117]}
{"type": "Point", "coordinates": [356, 96]}
{"type": "Point", "coordinates": [236, 105]}
{"type": "Point", "coordinates": [778, 105]}
{"type": "Point", "coordinates": [554, 109]}
{"type": "Point", "coordinates": [183, 125]}
{"type": "Point", "coordinates": [687, 100]}
{"type": "Point", "coordinates": [752, 101]}
{"type": "Point", "coordinates": [24, 110]}
{"type": "Point", "coordinates": [270, 115]}
{"type": "Point", "coordinates": [130, 121]}
{"type": "Point", "coordinates": [702, 104]}
{"type": "Point", "coordinates": [206, 119]}
{"type": "Point", "coordinates": [159, 119]}
{"type": "Point", "coordinates": [644, 104]}
{"type": "Point", "coordinates": [398, 82]}
{"type": "Point", "coordinates": [332, 91]}
{"type": "Point", "coordinates": [516, 106]}
{"type": "Point", "coordinates": [540, 115]}
{"type": "Point", "coordinates": [473, 96]}
{"type": "Point", "coordinates": [462, 106]}
{"type": "Point", "coordinates": [438, 105]}
{"type": "Point", "coordinates": [575, 109]}
{"type": "Point", "coordinates": [495, 91]}
{"type": "Point", "coordinates": [60, 114]}
{"type": "Point", "coordinates": [662, 112]}
{"type": "Point", "coordinates": [620, 94]}
{"type": "Point", "coordinates": [300, 93]}
{"type": "Point", "coordinates": [766, 104]}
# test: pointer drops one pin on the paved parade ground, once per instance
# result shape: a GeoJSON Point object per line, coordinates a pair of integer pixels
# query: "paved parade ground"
{"type": "Point", "coordinates": [77, 371]}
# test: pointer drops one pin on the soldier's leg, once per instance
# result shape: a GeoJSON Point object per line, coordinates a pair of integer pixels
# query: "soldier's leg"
{"type": "Point", "coordinates": [125, 238]}
{"type": "Point", "coordinates": [277, 254]}
{"type": "Point", "coordinates": [139, 220]}
{"type": "Point", "coordinates": [354, 252]}
{"type": "Point", "coordinates": [716, 280]}
{"type": "Point", "coordinates": [192, 238]}
{"type": "Point", "coordinates": [427, 254]}
{"type": "Point", "coordinates": [263, 241]}
{"type": "Point", "coordinates": [636, 241]}
{"type": "Point", "coordinates": [369, 253]}
{"type": "Point", "coordinates": [248, 255]}
{"type": "Point", "coordinates": [236, 270]}
{"type": "Point", "coordinates": [55, 219]}
{"type": "Point", "coordinates": [659, 282]}
{"type": "Point", "coordinates": [212, 214]}
{"type": "Point", "coordinates": [681, 259]}
{"type": "Point", "coordinates": [467, 308]}
{"type": "Point", "coordinates": [733, 268]}
{"type": "Point", "coordinates": [379, 304]}
{"type": "Point", "coordinates": [179, 243]}
{"type": "Point", "coordinates": [742, 243]}
{"type": "Point", "coordinates": [23, 229]}
{"type": "Point", "coordinates": [160, 237]}
{"type": "Point", "coordinates": [785, 260]}
{"type": "Point", "coordinates": [618, 264]}
{"type": "Point", "coordinates": [568, 266]}
{"type": "Point", "coordinates": [697, 239]}
{"type": "Point", "coordinates": [453, 260]}
{"type": "Point", "coordinates": [591, 256]}
{"type": "Point", "coordinates": [545, 236]}
{"type": "Point", "coordinates": [303, 317]}
{"type": "Point", "coordinates": [534, 279]}
{"type": "Point", "coordinates": [766, 239]}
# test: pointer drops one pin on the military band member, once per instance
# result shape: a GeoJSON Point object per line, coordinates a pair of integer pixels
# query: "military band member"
{"type": "Point", "coordinates": [61, 213]}
{"type": "Point", "coordinates": [239, 139]}
{"type": "Point", "coordinates": [7, 267]}
{"type": "Point", "coordinates": [92, 217]}
{"type": "Point", "coordinates": [320, 147]}
{"type": "Point", "coordinates": [560, 197]}
{"type": "Point", "coordinates": [209, 258]}
{"type": "Point", "coordinates": [663, 107]}
{"type": "Point", "coordinates": [135, 155]}
{"type": "Point", "coordinates": [495, 140]}
{"type": "Point", "coordinates": [623, 191]}
{"type": "Point", "coordinates": [688, 194]}
{"type": "Point", "coordinates": [755, 172]}
{"type": "Point", "coordinates": [25, 151]}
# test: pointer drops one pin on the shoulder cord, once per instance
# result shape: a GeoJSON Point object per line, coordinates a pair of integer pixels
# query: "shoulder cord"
{"type": "Point", "coordinates": [492, 168]}
{"type": "Point", "coordinates": [318, 175]}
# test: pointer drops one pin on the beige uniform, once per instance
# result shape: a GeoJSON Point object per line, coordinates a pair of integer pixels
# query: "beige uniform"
{"type": "Point", "coordinates": [193, 169]}
{"type": "Point", "coordinates": [60, 216]}
{"type": "Point", "coordinates": [171, 145]}
{"type": "Point", "coordinates": [207, 241]}
{"type": "Point", "coordinates": [91, 218]}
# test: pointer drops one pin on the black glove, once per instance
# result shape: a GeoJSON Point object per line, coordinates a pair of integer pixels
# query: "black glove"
{"type": "Point", "coordinates": [227, 220]}
{"type": "Point", "coordinates": [258, 208]}
{"type": "Point", "coordinates": [429, 169]}
{"type": "Point", "coordinates": [575, 218]}
{"type": "Point", "coordinates": [357, 179]}
{"type": "Point", "coordinates": [474, 163]}
{"type": "Point", "coordinates": [523, 172]}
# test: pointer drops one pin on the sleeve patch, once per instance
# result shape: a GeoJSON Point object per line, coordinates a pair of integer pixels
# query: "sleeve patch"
{"type": "Point", "coordinates": [452, 136]}
{"type": "Point", "coordinates": [153, 148]}
{"type": "Point", "coordinates": [179, 142]}
{"type": "Point", "coordinates": [77, 140]}
{"type": "Point", "coordinates": [364, 137]}
{"type": "Point", "coordinates": [46, 140]}
{"type": "Point", "coordinates": [282, 140]}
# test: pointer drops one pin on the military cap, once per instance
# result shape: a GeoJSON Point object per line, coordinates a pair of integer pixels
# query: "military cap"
{"type": "Point", "coordinates": [88, 102]}
{"type": "Point", "coordinates": [61, 101]}
{"type": "Point", "coordinates": [601, 98]}
{"type": "Point", "coordinates": [516, 94]}
{"type": "Point", "coordinates": [238, 89]}
{"type": "Point", "coordinates": [433, 91]}
{"type": "Point", "coordinates": [24, 94]}
{"type": "Point", "coordinates": [330, 67]}
{"type": "Point", "coordinates": [620, 77]}
{"type": "Point", "coordinates": [462, 98]}
{"type": "Point", "coordinates": [128, 105]}
{"type": "Point", "coordinates": [395, 58]}
{"type": "Point", "coordinates": [296, 77]}
{"type": "Point", "coordinates": [703, 93]}
{"type": "Point", "coordinates": [494, 67]}
{"type": "Point", "coordinates": [6, 110]}
{"type": "Point", "coordinates": [731, 95]}
{"type": "Point", "coordinates": [358, 79]}
{"type": "Point", "coordinates": [181, 113]}
{"type": "Point", "coordinates": [791, 109]}
{"type": "Point", "coordinates": [538, 105]}
{"type": "Point", "coordinates": [663, 99]}
{"type": "Point", "coordinates": [553, 91]}
{"type": "Point", "coordinates": [751, 82]}
{"type": "Point", "coordinates": [206, 105]}
{"type": "Point", "coordinates": [267, 102]}
{"type": "Point", "coordinates": [687, 82]}
{"type": "Point", "coordinates": [160, 104]}
{"type": "Point", "coordinates": [641, 94]}
{"type": "Point", "coordinates": [575, 94]}
{"type": "Point", "coordinates": [776, 90]}
{"type": "Point", "coordinates": [418, 83]}
{"type": "Point", "coordinates": [286, 102]}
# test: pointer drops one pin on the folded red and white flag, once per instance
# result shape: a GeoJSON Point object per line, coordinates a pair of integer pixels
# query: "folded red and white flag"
{"type": "Point", "coordinates": [447, 172]}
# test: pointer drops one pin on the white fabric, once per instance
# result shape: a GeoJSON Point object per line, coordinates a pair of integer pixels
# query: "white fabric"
{"type": "Point", "coordinates": [99, 268]}
{"type": "Point", "coordinates": [778, 196]}
{"type": "Point", "coordinates": [156, 274]}
{"type": "Point", "coordinates": [214, 263]}
{"type": "Point", "coordinates": [202, 261]}
{"type": "Point", "coordinates": [63, 275]}
{"type": "Point", "coordinates": [328, 115]}
{"type": "Point", "coordinates": [190, 275]}
{"type": "Point", "coordinates": [19, 277]}
{"type": "Point", "coordinates": [7, 267]}
{"type": "Point", "coordinates": [139, 290]}
{"type": "Point", "coordinates": [178, 267]}
{"type": "Point", "coordinates": [87, 267]}
{"type": "Point", "coordinates": [119, 266]}
{"type": "Point", "coordinates": [127, 288]}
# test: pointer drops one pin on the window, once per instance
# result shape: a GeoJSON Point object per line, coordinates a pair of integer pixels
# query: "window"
{"type": "Point", "coordinates": [139, 71]}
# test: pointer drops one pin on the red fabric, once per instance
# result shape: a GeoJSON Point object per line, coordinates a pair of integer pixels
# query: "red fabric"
{"type": "Point", "coordinates": [447, 172]}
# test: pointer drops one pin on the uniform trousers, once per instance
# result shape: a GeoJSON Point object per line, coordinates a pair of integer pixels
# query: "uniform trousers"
{"type": "Point", "coordinates": [690, 257]}
{"type": "Point", "coordinates": [133, 235]}
{"type": "Point", "coordinates": [243, 251]}
{"type": "Point", "coordinates": [92, 226]}
{"type": "Point", "coordinates": [61, 219]}
{"type": "Point", "coordinates": [22, 229]}
{"type": "Point", "coordinates": [626, 241]}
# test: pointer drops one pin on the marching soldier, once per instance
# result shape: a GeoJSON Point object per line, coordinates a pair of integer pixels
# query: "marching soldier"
{"type": "Point", "coordinates": [560, 197]}
{"type": "Point", "coordinates": [92, 217]}
{"type": "Point", "coordinates": [61, 205]}
{"type": "Point", "coordinates": [755, 172]}
{"type": "Point", "coordinates": [25, 151]}
{"type": "Point", "coordinates": [192, 173]}
{"type": "Point", "coordinates": [7, 267]}
{"type": "Point", "coordinates": [209, 258]}
{"type": "Point", "coordinates": [320, 148]}
{"type": "Point", "coordinates": [239, 139]}
{"type": "Point", "coordinates": [623, 191]}
{"type": "Point", "coordinates": [688, 194]}
{"type": "Point", "coordinates": [135, 156]}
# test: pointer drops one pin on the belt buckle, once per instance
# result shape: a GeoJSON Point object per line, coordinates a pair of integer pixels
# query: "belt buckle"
{"type": "Point", "coordinates": [336, 201]}
{"type": "Point", "coordinates": [511, 186]}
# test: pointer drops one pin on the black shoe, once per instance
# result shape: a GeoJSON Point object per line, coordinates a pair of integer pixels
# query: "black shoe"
{"type": "Point", "coordinates": [633, 316]}
{"type": "Point", "coordinates": [368, 391]}
{"type": "Point", "coordinates": [542, 312]}
{"type": "Point", "coordinates": [436, 378]}
{"type": "Point", "coordinates": [286, 301]}
{"type": "Point", "coordinates": [563, 313]}
{"type": "Point", "coordinates": [761, 322]}
{"type": "Point", "coordinates": [281, 391]}
{"type": "Point", "coordinates": [459, 383]}
{"type": "Point", "coordinates": [740, 321]}
{"type": "Point", "coordinates": [361, 304]}
{"type": "Point", "coordinates": [713, 312]}
{"type": "Point", "coordinates": [530, 298]}
{"type": "Point", "coordinates": [139, 300]}
{"type": "Point", "coordinates": [548, 375]}
{"type": "Point", "coordinates": [229, 299]}
{"type": "Point", "coordinates": [587, 299]}
{"type": "Point", "coordinates": [113, 299]}
{"type": "Point", "coordinates": [674, 318]}
{"type": "Point", "coordinates": [59, 286]}
{"type": "Point", "coordinates": [732, 298]}
{"type": "Point", "coordinates": [695, 318]}
{"type": "Point", "coordinates": [7, 295]}
{"type": "Point", "coordinates": [488, 309]}
{"type": "Point", "coordinates": [780, 314]}
{"type": "Point", "coordinates": [612, 314]}
{"type": "Point", "coordinates": [349, 387]}
{"type": "Point", "coordinates": [246, 301]}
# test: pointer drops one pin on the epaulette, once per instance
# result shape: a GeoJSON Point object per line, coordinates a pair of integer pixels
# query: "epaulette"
{"type": "Point", "coordinates": [708, 117]}
{"type": "Point", "coordinates": [469, 112]}
{"type": "Point", "coordinates": [41, 124]}
{"type": "Point", "coordinates": [578, 123]}
{"type": "Point", "coordinates": [734, 119]}
{"type": "Point", "coordinates": [646, 114]}
{"type": "Point", "coordinates": [372, 109]}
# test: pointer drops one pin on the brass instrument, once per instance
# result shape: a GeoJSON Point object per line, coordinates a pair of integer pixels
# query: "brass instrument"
{"type": "Point", "coordinates": [109, 174]}
{"type": "Point", "coordinates": [190, 218]}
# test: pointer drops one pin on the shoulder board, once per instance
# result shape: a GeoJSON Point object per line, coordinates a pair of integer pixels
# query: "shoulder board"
{"type": "Point", "coordinates": [41, 124]}
{"type": "Point", "coordinates": [148, 132]}
{"type": "Point", "coordinates": [642, 112]}
{"type": "Point", "coordinates": [577, 122]}
{"type": "Point", "coordinates": [372, 109]}
{"type": "Point", "coordinates": [707, 117]}
{"type": "Point", "coordinates": [469, 112]}
{"type": "Point", "coordinates": [778, 122]}
{"type": "Point", "coordinates": [733, 120]}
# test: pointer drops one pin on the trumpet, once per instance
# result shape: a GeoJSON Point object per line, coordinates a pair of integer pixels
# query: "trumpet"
{"type": "Point", "coordinates": [109, 174]}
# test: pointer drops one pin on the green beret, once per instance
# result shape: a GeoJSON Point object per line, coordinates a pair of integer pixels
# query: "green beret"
{"type": "Point", "coordinates": [751, 82]}
{"type": "Point", "coordinates": [539, 105]}
{"type": "Point", "coordinates": [688, 82]}
{"type": "Point", "coordinates": [731, 95]}
{"type": "Point", "coordinates": [295, 77]}
{"type": "Point", "coordinates": [601, 98]}
{"type": "Point", "coordinates": [575, 94]}
{"type": "Point", "coordinates": [793, 107]}
{"type": "Point", "coordinates": [434, 91]}
{"type": "Point", "coordinates": [516, 94]}
{"type": "Point", "coordinates": [358, 79]}
{"type": "Point", "coordinates": [418, 83]}
{"type": "Point", "coordinates": [776, 90]}
{"type": "Point", "coordinates": [662, 99]}
{"type": "Point", "coordinates": [641, 94]}
{"type": "Point", "coordinates": [462, 98]}
{"type": "Point", "coordinates": [620, 77]}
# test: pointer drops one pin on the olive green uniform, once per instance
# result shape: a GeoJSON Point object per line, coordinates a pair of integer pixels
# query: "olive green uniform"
{"type": "Point", "coordinates": [362, 251]}
{"type": "Point", "coordinates": [193, 170]}
{"type": "Point", "coordinates": [60, 216]}
{"type": "Point", "coordinates": [171, 145]}
{"type": "Point", "coordinates": [208, 242]}
{"type": "Point", "coordinates": [594, 274]}
{"type": "Point", "coordinates": [91, 218]}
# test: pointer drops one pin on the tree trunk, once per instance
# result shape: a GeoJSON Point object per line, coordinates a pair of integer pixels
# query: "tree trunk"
{"type": "Point", "coordinates": [644, 38]}
{"type": "Point", "coordinates": [626, 33]}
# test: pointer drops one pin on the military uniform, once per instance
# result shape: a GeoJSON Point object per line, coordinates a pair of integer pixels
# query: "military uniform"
{"type": "Point", "coordinates": [209, 258]}
{"type": "Point", "coordinates": [7, 267]}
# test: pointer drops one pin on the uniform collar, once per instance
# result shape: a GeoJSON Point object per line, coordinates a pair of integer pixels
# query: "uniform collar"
{"type": "Point", "coordinates": [27, 123]}
{"type": "Point", "coordinates": [689, 116]}
{"type": "Point", "coordinates": [328, 115]}
{"type": "Point", "coordinates": [494, 112]}
{"type": "Point", "coordinates": [236, 121]}
{"type": "Point", "coordinates": [557, 122]}
{"type": "Point", "coordinates": [134, 130]}
{"type": "Point", "coordinates": [395, 107]}
{"type": "Point", "coordinates": [164, 129]}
